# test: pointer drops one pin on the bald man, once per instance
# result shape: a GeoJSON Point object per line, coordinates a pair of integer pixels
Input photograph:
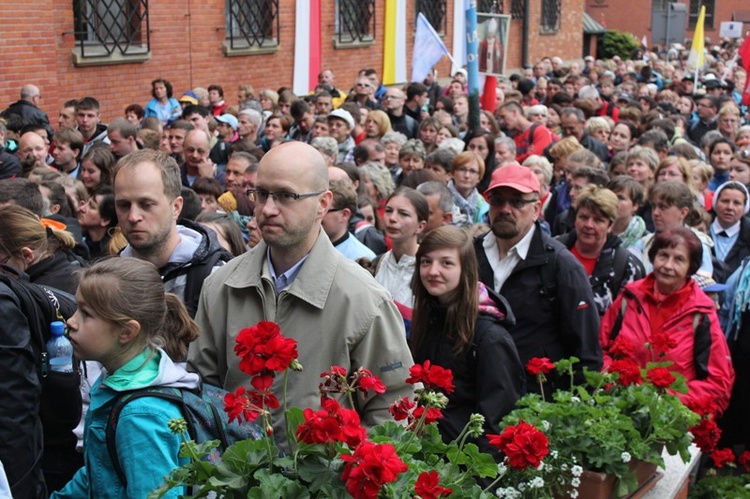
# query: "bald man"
{"type": "Point", "coordinates": [27, 107]}
{"type": "Point", "coordinates": [32, 152]}
{"type": "Point", "coordinates": [338, 314]}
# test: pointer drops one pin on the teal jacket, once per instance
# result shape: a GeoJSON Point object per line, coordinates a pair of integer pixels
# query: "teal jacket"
{"type": "Point", "coordinates": [146, 449]}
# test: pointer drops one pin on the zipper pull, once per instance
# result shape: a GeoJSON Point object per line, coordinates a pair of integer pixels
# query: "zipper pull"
{"type": "Point", "coordinates": [45, 364]}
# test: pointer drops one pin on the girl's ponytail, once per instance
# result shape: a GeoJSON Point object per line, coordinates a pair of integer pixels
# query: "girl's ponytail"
{"type": "Point", "coordinates": [179, 329]}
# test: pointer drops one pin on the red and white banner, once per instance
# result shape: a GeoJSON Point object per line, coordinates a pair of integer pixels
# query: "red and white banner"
{"type": "Point", "coordinates": [307, 46]}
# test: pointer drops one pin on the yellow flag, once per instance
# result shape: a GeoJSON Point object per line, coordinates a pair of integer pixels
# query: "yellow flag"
{"type": "Point", "coordinates": [695, 59]}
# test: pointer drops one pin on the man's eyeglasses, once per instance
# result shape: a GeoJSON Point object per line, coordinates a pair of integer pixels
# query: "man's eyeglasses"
{"type": "Point", "coordinates": [260, 196]}
{"type": "Point", "coordinates": [517, 203]}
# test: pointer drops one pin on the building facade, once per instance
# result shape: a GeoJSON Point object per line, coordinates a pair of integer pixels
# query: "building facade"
{"type": "Point", "coordinates": [112, 49]}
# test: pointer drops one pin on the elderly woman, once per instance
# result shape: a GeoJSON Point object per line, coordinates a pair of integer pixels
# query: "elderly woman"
{"type": "Point", "coordinates": [542, 168]}
{"type": "Point", "coordinates": [392, 141]}
{"type": "Point", "coordinates": [609, 266]}
{"type": "Point", "coordinates": [411, 157]}
{"type": "Point", "coordinates": [467, 169]}
{"type": "Point", "coordinates": [666, 317]}
{"type": "Point", "coordinates": [378, 183]}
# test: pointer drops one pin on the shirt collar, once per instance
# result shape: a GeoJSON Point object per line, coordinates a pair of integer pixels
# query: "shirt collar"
{"type": "Point", "coordinates": [521, 247]}
{"type": "Point", "coordinates": [287, 278]}
{"type": "Point", "coordinates": [731, 231]}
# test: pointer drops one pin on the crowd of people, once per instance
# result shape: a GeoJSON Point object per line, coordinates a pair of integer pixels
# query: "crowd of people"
{"type": "Point", "coordinates": [595, 202]}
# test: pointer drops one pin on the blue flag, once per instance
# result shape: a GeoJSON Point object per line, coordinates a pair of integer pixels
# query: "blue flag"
{"type": "Point", "coordinates": [428, 49]}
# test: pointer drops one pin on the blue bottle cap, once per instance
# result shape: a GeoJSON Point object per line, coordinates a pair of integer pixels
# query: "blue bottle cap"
{"type": "Point", "coordinates": [57, 328]}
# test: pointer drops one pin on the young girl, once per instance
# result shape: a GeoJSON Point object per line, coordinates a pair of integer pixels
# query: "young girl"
{"type": "Point", "coordinates": [459, 324]}
{"type": "Point", "coordinates": [406, 214]}
{"type": "Point", "coordinates": [123, 316]}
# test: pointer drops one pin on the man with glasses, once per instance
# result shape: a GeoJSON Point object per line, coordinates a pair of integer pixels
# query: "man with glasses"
{"type": "Point", "coordinates": [708, 108]}
{"type": "Point", "coordinates": [334, 309]}
{"type": "Point", "coordinates": [363, 94]}
{"type": "Point", "coordinates": [547, 288]}
{"type": "Point", "coordinates": [394, 102]}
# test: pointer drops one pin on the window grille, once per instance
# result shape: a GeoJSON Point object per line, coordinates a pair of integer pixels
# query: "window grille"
{"type": "Point", "coordinates": [435, 12]}
{"type": "Point", "coordinates": [105, 28]}
{"type": "Point", "coordinates": [490, 6]}
{"type": "Point", "coordinates": [517, 8]}
{"type": "Point", "coordinates": [355, 20]}
{"type": "Point", "coordinates": [252, 23]}
{"type": "Point", "coordinates": [551, 15]}
{"type": "Point", "coordinates": [695, 9]}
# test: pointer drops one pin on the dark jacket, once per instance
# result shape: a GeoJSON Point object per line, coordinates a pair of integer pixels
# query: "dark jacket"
{"type": "Point", "coordinates": [20, 391]}
{"type": "Point", "coordinates": [367, 234]}
{"type": "Point", "coordinates": [564, 222]}
{"type": "Point", "coordinates": [10, 167]}
{"type": "Point", "coordinates": [740, 250]}
{"type": "Point", "coordinates": [614, 268]}
{"type": "Point", "coordinates": [185, 277]}
{"type": "Point", "coordinates": [595, 146]}
{"type": "Point", "coordinates": [30, 114]}
{"type": "Point", "coordinates": [59, 271]}
{"type": "Point", "coordinates": [551, 298]}
{"type": "Point", "coordinates": [488, 375]}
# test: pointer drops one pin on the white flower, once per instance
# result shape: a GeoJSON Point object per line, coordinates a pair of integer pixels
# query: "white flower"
{"type": "Point", "coordinates": [553, 454]}
{"type": "Point", "coordinates": [575, 399]}
{"type": "Point", "coordinates": [537, 483]}
{"type": "Point", "coordinates": [540, 467]}
{"type": "Point", "coordinates": [573, 494]}
{"type": "Point", "coordinates": [501, 469]}
{"type": "Point", "coordinates": [625, 457]}
{"type": "Point", "coordinates": [545, 425]}
{"type": "Point", "coordinates": [576, 470]}
{"type": "Point", "coordinates": [575, 482]}
{"type": "Point", "coordinates": [564, 467]}
{"type": "Point", "coordinates": [521, 487]}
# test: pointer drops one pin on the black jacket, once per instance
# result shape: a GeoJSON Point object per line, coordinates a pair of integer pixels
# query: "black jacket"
{"type": "Point", "coordinates": [740, 250]}
{"type": "Point", "coordinates": [10, 167]}
{"type": "Point", "coordinates": [30, 114]}
{"type": "Point", "coordinates": [59, 271]}
{"type": "Point", "coordinates": [21, 439]}
{"type": "Point", "coordinates": [614, 268]}
{"type": "Point", "coordinates": [488, 375]}
{"type": "Point", "coordinates": [554, 307]}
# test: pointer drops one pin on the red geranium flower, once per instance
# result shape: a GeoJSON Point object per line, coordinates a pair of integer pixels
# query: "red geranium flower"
{"type": "Point", "coordinates": [720, 457]}
{"type": "Point", "coordinates": [744, 461]}
{"type": "Point", "coordinates": [428, 486]}
{"type": "Point", "coordinates": [432, 377]}
{"type": "Point", "coordinates": [539, 366]}
{"type": "Point", "coordinates": [661, 342]}
{"type": "Point", "coordinates": [262, 347]}
{"type": "Point", "coordinates": [661, 377]}
{"type": "Point", "coordinates": [263, 385]}
{"type": "Point", "coordinates": [621, 348]}
{"type": "Point", "coordinates": [331, 424]}
{"type": "Point", "coordinates": [401, 409]}
{"type": "Point", "coordinates": [523, 445]}
{"type": "Point", "coordinates": [369, 468]}
{"type": "Point", "coordinates": [365, 381]}
{"type": "Point", "coordinates": [433, 414]}
{"type": "Point", "coordinates": [239, 405]}
{"type": "Point", "coordinates": [706, 434]}
{"type": "Point", "coordinates": [628, 370]}
{"type": "Point", "coordinates": [704, 406]}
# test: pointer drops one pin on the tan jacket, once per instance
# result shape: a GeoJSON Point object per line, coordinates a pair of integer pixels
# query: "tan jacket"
{"type": "Point", "coordinates": [336, 311]}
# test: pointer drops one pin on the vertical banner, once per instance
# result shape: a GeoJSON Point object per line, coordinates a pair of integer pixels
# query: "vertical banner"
{"type": "Point", "coordinates": [695, 59]}
{"type": "Point", "coordinates": [472, 44]}
{"type": "Point", "coordinates": [744, 53]}
{"type": "Point", "coordinates": [459, 35]}
{"type": "Point", "coordinates": [307, 46]}
{"type": "Point", "coordinates": [394, 45]}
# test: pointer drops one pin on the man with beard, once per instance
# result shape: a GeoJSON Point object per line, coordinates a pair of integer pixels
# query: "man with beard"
{"type": "Point", "coordinates": [546, 286]}
{"type": "Point", "coordinates": [148, 204]}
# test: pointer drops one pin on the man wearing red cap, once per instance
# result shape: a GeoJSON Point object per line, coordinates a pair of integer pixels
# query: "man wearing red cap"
{"type": "Point", "coordinates": [547, 288]}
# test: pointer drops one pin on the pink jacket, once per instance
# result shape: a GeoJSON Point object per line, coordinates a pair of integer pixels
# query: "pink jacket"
{"type": "Point", "coordinates": [682, 310]}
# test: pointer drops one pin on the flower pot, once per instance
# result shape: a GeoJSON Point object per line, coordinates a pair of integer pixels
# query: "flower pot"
{"type": "Point", "coordinates": [595, 485]}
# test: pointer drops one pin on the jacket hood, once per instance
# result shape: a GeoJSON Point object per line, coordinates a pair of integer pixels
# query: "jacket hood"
{"type": "Point", "coordinates": [494, 304]}
{"type": "Point", "coordinates": [152, 368]}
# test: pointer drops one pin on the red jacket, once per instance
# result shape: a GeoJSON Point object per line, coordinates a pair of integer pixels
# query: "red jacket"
{"type": "Point", "coordinates": [675, 315]}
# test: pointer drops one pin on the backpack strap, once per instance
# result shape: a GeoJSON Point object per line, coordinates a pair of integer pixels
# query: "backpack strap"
{"type": "Point", "coordinates": [618, 322]}
{"type": "Point", "coordinates": [174, 395]}
{"type": "Point", "coordinates": [701, 344]}
{"type": "Point", "coordinates": [549, 274]}
{"type": "Point", "coordinates": [196, 274]}
{"type": "Point", "coordinates": [619, 265]}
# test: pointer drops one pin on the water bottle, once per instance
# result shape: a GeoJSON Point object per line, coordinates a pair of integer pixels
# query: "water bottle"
{"type": "Point", "coordinates": [59, 349]}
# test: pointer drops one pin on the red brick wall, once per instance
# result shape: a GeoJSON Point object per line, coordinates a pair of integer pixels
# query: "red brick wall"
{"type": "Point", "coordinates": [36, 41]}
{"type": "Point", "coordinates": [634, 16]}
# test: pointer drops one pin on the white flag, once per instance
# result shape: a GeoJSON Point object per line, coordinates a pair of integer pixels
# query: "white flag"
{"type": "Point", "coordinates": [428, 49]}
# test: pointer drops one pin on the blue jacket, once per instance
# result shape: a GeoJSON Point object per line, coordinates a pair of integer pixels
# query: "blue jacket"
{"type": "Point", "coordinates": [146, 449]}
